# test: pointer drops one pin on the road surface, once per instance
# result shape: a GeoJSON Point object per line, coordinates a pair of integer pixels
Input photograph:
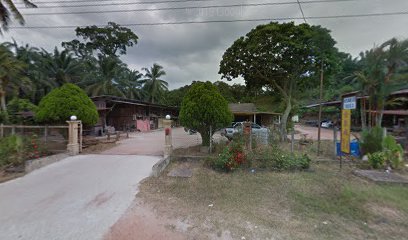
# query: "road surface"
{"type": "Point", "coordinates": [81, 197]}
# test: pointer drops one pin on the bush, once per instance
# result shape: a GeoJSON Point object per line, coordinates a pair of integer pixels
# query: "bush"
{"type": "Point", "coordinates": [17, 106]}
{"type": "Point", "coordinates": [231, 158]}
{"type": "Point", "coordinates": [393, 152]}
{"type": "Point", "coordinates": [277, 159]}
{"type": "Point", "coordinates": [15, 150]}
{"type": "Point", "coordinates": [63, 102]}
{"type": "Point", "coordinates": [371, 140]}
{"type": "Point", "coordinates": [376, 160]}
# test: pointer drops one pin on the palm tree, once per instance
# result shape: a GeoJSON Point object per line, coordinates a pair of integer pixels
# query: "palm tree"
{"type": "Point", "coordinates": [153, 85]}
{"type": "Point", "coordinates": [11, 74]}
{"type": "Point", "coordinates": [8, 8]}
{"type": "Point", "coordinates": [105, 79]}
{"type": "Point", "coordinates": [61, 67]}
{"type": "Point", "coordinates": [131, 84]}
{"type": "Point", "coordinates": [379, 74]}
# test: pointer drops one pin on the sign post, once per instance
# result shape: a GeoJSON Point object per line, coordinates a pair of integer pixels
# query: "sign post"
{"type": "Point", "coordinates": [348, 103]}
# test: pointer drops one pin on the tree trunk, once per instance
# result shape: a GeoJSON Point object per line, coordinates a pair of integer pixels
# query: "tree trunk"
{"type": "Point", "coordinates": [205, 137]}
{"type": "Point", "coordinates": [285, 117]}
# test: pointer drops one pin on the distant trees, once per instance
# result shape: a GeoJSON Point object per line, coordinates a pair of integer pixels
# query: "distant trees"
{"type": "Point", "coordinates": [204, 109]}
{"type": "Point", "coordinates": [65, 101]}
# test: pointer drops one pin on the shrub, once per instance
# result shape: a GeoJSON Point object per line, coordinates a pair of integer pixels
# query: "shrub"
{"type": "Point", "coordinates": [231, 158]}
{"type": "Point", "coordinates": [63, 102]}
{"type": "Point", "coordinates": [371, 140]}
{"type": "Point", "coordinates": [376, 160]}
{"type": "Point", "coordinates": [277, 159]}
{"type": "Point", "coordinates": [17, 106]}
{"type": "Point", "coordinates": [15, 150]}
{"type": "Point", "coordinates": [393, 152]}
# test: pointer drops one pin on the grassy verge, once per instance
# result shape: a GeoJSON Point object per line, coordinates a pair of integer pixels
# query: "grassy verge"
{"type": "Point", "coordinates": [321, 204]}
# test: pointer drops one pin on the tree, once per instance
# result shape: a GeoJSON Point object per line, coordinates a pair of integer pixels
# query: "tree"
{"type": "Point", "coordinates": [379, 75]}
{"type": "Point", "coordinates": [7, 7]}
{"type": "Point", "coordinates": [104, 80]}
{"type": "Point", "coordinates": [65, 101]}
{"type": "Point", "coordinates": [204, 109]}
{"type": "Point", "coordinates": [153, 85]}
{"type": "Point", "coordinates": [61, 67]}
{"type": "Point", "coordinates": [107, 41]}
{"type": "Point", "coordinates": [281, 56]}
{"type": "Point", "coordinates": [130, 84]}
{"type": "Point", "coordinates": [11, 74]}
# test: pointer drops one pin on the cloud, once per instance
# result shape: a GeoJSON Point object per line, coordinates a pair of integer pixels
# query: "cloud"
{"type": "Point", "coordinates": [193, 51]}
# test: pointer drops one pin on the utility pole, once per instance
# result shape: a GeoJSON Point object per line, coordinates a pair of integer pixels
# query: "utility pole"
{"type": "Point", "coordinates": [320, 109]}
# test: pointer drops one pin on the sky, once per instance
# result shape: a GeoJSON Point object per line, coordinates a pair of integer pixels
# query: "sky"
{"type": "Point", "coordinates": [192, 52]}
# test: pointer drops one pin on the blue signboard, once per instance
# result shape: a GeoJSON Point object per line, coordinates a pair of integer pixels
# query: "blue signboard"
{"type": "Point", "coordinates": [349, 102]}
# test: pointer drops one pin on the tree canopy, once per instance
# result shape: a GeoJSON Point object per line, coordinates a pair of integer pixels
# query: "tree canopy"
{"type": "Point", "coordinates": [107, 41]}
{"type": "Point", "coordinates": [65, 101]}
{"type": "Point", "coordinates": [282, 57]}
{"type": "Point", "coordinates": [204, 109]}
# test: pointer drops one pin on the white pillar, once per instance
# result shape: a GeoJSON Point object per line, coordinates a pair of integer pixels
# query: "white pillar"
{"type": "Point", "coordinates": [73, 145]}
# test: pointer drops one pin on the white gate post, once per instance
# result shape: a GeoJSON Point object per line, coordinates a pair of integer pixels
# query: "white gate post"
{"type": "Point", "coordinates": [73, 145]}
{"type": "Point", "coordinates": [168, 145]}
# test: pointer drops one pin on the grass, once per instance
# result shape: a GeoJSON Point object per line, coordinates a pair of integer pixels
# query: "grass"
{"type": "Point", "coordinates": [322, 204]}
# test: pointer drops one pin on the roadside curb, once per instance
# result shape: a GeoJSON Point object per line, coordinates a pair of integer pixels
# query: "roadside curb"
{"type": "Point", "coordinates": [160, 166]}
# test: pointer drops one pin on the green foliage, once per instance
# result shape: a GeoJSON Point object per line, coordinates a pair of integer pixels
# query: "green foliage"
{"type": "Point", "coordinates": [203, 108]}
{"type": "Point", "coordinates": [15, 150]}
{"type": "Point", "coordinates": [231, 157]}
{"type": "Point", "coordinates": [376, 159]}
{"type": "Point", "coordinates": [393, 152]}
{"type": "Point", "coordinates": [17, 106]}
{"type": "Point", "coordinates": [371, 140]}
{"type": "Point", "coordinates": [275, 158]}
{"type": "Point", "coordinates": [9, 9]}
{"type": "Point", "coordinates": [292, 62]}
{"type": "Point", "coordinates": [108, 40]}
{"type": "Point", "coordinates": [63, 102]}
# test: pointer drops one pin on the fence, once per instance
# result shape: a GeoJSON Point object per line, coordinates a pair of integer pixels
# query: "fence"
{"type": "Point", "coordinates": [54, 138]}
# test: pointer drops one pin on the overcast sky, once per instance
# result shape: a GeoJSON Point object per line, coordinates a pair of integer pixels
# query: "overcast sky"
{"type": "Point", "coordinates": [193, 51]}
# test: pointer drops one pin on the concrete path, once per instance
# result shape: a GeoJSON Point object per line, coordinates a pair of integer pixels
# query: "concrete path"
{"type": "Point", "coordinates": [78, 198]}
{"type": "Point", "coordinates": [152, 143]}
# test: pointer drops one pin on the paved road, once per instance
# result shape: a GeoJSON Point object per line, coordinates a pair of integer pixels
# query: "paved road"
{"type": "Point", "coordinates": [152, 143]}
{"type": "Point", "coordinates": [77, 198]}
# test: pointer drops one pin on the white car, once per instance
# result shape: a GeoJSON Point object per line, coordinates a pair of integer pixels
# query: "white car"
{"type": "Point", "coordinates": [327, 124]}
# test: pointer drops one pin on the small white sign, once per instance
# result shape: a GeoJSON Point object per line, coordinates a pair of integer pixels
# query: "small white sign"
{"type": "Point", "coordinates": [349, 102]}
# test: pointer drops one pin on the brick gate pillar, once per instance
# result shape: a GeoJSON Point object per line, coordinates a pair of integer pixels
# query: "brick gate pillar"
{"type": "Point", "coordinates": [168, 145]}
{"type": "Point", "coordinates": [73, 145]}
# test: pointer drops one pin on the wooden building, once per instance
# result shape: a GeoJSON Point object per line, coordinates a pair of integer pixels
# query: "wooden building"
{"type": "Point", "coordinates": [248, 112]}
{"type": "Point", "coordinates": [123, 114]}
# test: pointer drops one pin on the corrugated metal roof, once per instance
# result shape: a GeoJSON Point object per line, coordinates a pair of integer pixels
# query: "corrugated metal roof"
{"type": "Point", "coordinates": [242, 107]}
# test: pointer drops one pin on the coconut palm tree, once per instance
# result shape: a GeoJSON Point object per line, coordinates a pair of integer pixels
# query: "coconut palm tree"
{"type": "Point", "coordinates": [8, 8]}
{"type": "Point", "coordinates": [11, 74]}
{"type": "Point", "coordinates": [153, 85]}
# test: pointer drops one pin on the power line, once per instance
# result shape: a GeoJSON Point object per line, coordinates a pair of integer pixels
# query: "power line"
{"type": "Point", "coordinates": [178, 8]}
{"type": "Point", "coordinates": [226, 21]}
{"type": "Point", "coordinates": [170, 1]}
{"type": "Point", "coordinates": [301, 10]}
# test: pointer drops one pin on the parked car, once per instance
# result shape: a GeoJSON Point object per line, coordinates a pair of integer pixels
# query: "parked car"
{"type": "Point", "coordinates": [326, 124]}
{"type": "Point", "coordinates": [237, 129]}
{"type": "Point", "coordinates": [229, 131]}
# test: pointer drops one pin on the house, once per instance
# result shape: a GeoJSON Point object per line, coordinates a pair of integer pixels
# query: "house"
{"type": "Point", "coordinates": [249, 112]}
{"type": "Point", "coordinates": [128, 114]}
